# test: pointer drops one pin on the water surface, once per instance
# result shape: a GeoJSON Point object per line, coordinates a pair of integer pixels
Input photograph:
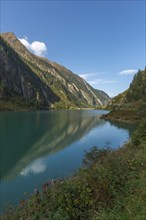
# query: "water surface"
{"type": "Point", "coordinates": [41, 145]}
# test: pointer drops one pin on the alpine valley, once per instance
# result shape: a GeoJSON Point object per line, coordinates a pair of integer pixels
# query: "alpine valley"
{"type": "Point", "coordinates": [32, 82]}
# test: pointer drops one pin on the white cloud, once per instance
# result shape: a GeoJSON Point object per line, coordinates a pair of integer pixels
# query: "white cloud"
{"type": "Point", "coordinates": [36, 47]}
{"type": "Point", "coordinates": [128, 72]}
{"type": "Point", "coordinates": [87, 75]}
{"type": "Point", "coordinates": [39, 48]}
{"type": "Point", "coordinates": [101, 81]}
{"type": "Point", "coordinates": [25, 43]}
{"type": "Point", "coordinates": [84, 76]}
{"type": "Point", "coordinates": [90, 75]}
{"type": "Point", "coordinates": [26, 38]}
{"type": "Point", "coordinates": [94, 82]}
{"type": "Point", "coordinates": [36, 167]}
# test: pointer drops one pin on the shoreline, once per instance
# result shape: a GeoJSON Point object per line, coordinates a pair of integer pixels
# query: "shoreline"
{"type": "Point", "coordinates": [76, 197]}
{"type": "Point", "coordinates": [127, 116]}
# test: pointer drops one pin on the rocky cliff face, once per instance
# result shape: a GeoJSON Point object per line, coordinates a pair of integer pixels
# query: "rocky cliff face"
{"type": "Point", "coordinates": [41, 81]}
{"type": "Point", "coordinates": [19, 82]}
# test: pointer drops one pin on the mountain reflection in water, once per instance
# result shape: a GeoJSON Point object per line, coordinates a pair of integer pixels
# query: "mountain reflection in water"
{"type": "Point", "coordinates": [26, 136]}
{"type": "Point", "coordinates": [41, 145]}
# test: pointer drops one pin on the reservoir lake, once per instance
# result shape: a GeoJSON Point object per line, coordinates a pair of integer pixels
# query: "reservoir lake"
{"type": "Point", "coordinates": [42, 145]}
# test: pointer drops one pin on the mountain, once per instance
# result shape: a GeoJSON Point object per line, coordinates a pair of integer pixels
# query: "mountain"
{"type": "Point", "coordinates": [19, 83]}
{"type": "Point", "coordinates": [42, 83]}
{"type": "Point", "coordinates": [134, 95]}
{"type": "Point", "coordinates": [131, 104]}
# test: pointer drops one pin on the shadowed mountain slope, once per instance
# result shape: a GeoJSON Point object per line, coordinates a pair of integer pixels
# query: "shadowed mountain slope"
{"type": "Point", "coordinates": [68, 89]}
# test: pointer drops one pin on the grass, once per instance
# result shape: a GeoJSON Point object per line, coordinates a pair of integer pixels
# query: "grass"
{"type": "Point", "coordinates": [123, 115]}
{"type": "Point", "coordinates": [16, 104]}
{"type": "Point", "coordinates": [132, 112]}
{"type": "Point", "coordinates": [110, 185]}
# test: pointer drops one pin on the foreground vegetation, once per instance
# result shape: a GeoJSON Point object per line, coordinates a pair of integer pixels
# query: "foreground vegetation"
{"type": "Point", "coordinates": [110, 185]}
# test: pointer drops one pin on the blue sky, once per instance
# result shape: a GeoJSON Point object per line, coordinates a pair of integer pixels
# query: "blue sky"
{"type": "Point", "coordinates": [102, 41]}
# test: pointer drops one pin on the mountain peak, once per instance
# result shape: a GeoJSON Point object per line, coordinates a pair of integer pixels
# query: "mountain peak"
{"type": "Point", "coordinates": [14, 42]}
{"type": "Point", "coordinates": [8, 35]}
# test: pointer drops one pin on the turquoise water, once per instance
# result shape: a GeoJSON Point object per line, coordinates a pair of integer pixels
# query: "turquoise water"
{"type": "Point", "coordinates": [41, 145]}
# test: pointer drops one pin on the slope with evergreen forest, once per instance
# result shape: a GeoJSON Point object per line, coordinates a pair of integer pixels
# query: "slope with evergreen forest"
{"type": "Point", "coordinates": [65, 89]}
{"type": "Point", "coordinates": [131, 104]}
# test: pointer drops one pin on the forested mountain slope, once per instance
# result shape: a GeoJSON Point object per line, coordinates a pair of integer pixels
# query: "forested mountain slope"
{"type": "Point", "coordinates": [131, 104]}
